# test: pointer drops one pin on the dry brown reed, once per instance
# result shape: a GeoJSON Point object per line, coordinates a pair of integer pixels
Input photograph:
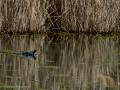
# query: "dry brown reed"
{"type": "Point", "coordinates": [103, 80]}
{"type": "Point", "coordinates": [111, 81]}
{"type": "Point", "coordinates": [69, 15]}
{"type": "Point", "coordinates": [107, 81]}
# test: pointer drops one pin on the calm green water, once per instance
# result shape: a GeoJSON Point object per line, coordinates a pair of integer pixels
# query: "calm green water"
{"type": "Point", "coordinates": [65, 62]}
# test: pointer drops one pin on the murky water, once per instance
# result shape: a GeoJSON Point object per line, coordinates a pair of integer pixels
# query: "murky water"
{"type": "Point", "coordinates": [65, 62]}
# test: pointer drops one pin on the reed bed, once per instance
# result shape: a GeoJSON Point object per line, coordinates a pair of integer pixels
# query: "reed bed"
{"type": "Point", "coordinates": [93, 16]}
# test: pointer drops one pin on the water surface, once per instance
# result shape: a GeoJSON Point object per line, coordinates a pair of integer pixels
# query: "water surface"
{"type": "Point", "coordinates": [65, 62]}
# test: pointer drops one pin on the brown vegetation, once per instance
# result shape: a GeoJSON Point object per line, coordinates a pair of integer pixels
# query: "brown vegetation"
{"type": "Point", "coordinates": [93, 16]}
{"type": "Point", "coordinates": [107, 81]}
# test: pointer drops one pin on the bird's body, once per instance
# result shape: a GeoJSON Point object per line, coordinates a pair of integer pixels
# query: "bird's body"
{"type": "Point", "coordinates": [29, 53]}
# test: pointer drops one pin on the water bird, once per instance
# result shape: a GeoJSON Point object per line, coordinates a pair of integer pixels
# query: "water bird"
{"type": "Point", "coordinates": [29, 53]}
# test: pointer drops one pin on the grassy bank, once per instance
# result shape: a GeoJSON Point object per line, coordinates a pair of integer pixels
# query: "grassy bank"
{"type": "Point", "coordinates": [93, 16]}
